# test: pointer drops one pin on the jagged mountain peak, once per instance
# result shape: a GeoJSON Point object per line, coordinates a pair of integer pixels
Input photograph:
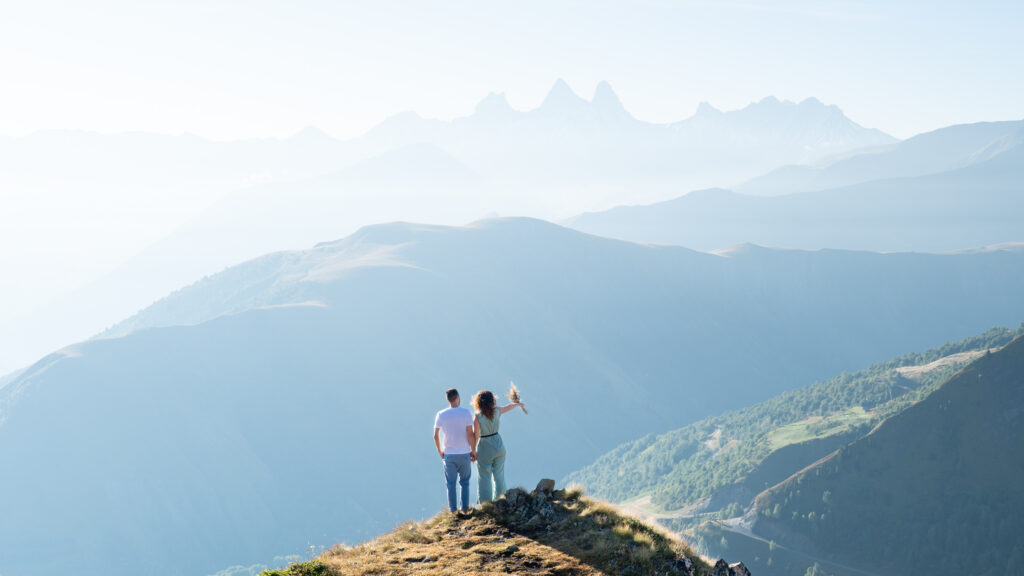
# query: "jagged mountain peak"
{"type": "Point", "coordinates": [814, 106]}
{"type": "Point", "coordinates": [561, 98]}
{"type": "Point", "coordinates": [807, 106]}
{"type": "Point", "coordinates": [706, 109]}
{"type": "Point", "coordinates": [605, 98]}
{"type": "Point", "coordinates": [495, 103]}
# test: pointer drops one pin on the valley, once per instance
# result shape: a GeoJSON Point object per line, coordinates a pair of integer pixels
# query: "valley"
{"type": "Point", "coordinates": [774, 458]}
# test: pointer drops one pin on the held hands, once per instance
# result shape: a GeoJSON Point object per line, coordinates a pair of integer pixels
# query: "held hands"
{"type": "Point", "coordinates": [441, 452]}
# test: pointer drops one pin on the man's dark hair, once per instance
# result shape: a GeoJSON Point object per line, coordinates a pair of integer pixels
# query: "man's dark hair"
{"type": "Point", "coordinates": [452, 394]}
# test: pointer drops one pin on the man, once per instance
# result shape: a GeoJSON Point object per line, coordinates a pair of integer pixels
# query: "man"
{"type": "Point", "coordinates": [458, 451]}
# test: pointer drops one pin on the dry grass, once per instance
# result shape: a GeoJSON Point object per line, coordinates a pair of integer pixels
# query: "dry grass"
{"type": "Point", "coordinates": [579, 537]}
{"type": "Point", "coordinates": [573, 492]}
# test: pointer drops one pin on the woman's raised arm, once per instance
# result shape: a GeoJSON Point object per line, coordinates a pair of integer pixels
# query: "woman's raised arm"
{"type": "Point", "coordinates": [508, 407]}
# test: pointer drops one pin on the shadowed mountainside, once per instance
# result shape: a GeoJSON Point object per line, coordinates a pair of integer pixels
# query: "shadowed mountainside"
{"type": "Point", "coordinates": [702, 480]}
{"type": "Point", "coordinates": [935, 488]}
{"type": "Point", "coordinates": [725, 461]}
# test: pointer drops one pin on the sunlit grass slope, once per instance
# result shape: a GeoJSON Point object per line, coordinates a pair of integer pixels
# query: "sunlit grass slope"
{"type": "Point", "coordinates": [561, 534]}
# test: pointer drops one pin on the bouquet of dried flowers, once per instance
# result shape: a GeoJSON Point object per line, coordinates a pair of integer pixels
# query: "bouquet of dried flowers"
{"type": "Point", "coordinates": [513, 396]}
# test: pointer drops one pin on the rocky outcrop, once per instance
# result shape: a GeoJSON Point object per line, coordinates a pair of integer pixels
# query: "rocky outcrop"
{"type": "Point", "coordinates": [547, 508]}
{"type": "Point", "coordinates": [546, 485]}
{"type": "Point", "coordinates": [722, 568]}
{"type": "Point", "coordinates": [544, 531]}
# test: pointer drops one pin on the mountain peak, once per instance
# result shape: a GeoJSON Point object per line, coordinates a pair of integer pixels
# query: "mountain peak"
{"type": "Point", "coordinates": [606, 99]}
{"type": "Point", "coordinates": [494, 103]}
{"type": "Point", "coordinates": [520, 531]}
{"type": "Point", "coordinates": [706, 109]}
{"type": "Point", "coordinates": [812, 104]}
{"type": "Point", "coordinates": [561, 98]}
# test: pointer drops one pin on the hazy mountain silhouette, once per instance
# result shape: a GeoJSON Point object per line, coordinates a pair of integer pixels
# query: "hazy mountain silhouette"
{"type": "Point", "coordinates": [570, 138]}
{"type": "Point", "coordinates": [291, 404]}
{"type": "Point", "coordinates": [770, 124]}
{"type": "Point", "coordinates": [568, 155]}
{"type": "Point", "coordinates": [419, 180]}
{"type": "Point", "coordinates": [941, 150]}
{"type": "Point", "coordinates": [980, 204]}
{"type": "Point", "coordinates": [115, 194]}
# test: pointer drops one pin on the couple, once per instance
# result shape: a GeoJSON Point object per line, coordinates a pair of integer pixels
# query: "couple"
{"type": "Point", "coordinates": [472, 438]}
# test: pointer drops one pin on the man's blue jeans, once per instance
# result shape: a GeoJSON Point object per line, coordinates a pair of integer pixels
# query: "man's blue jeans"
{"type": "Point", "coordinates": [457, 466]}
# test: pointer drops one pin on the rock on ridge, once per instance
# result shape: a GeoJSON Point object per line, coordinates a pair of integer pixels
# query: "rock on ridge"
{"type": "Point", "coordinates": [723, 568]}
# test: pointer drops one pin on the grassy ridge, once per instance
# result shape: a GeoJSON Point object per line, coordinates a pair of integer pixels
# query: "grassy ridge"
{"type": "Point", "coordinates": [680, 468]}
{"type": "Point", "coordinates": [564, 534]}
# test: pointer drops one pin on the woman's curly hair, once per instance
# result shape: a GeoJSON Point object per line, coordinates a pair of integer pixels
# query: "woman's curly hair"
{"type": "Point", "coordinates": [484, 403]}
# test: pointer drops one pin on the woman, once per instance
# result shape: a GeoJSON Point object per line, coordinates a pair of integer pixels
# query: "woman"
{"type": "Point", "coordinates": [490, 451]}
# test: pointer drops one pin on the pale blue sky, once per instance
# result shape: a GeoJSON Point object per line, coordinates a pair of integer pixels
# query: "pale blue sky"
{"type": "Point", "coordinates": [228, 69]}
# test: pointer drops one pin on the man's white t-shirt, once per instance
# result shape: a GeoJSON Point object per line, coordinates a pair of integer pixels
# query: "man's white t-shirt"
{"type": "Point", "coordinates": [453, 422]}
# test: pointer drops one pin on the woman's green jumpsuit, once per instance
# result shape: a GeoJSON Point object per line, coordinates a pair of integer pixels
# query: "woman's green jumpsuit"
{"type": "Point", "coordinates": [490, 458]}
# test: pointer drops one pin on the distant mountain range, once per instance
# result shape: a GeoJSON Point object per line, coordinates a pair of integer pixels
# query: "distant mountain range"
{"type": "Point", "coordinates": [569, 138]}
{"type": "Point", "coordinates": [888, 201]}
{"type": "Point", "coordinates": [942, 150]}
{"type": "Point", "coordinates": [276, 404]}
{"type": "Point", "coordinates": [239, 200]}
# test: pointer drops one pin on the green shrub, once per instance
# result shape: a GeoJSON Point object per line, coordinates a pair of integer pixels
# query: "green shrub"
{"type": "Point", "coordinates": [311, 568]}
